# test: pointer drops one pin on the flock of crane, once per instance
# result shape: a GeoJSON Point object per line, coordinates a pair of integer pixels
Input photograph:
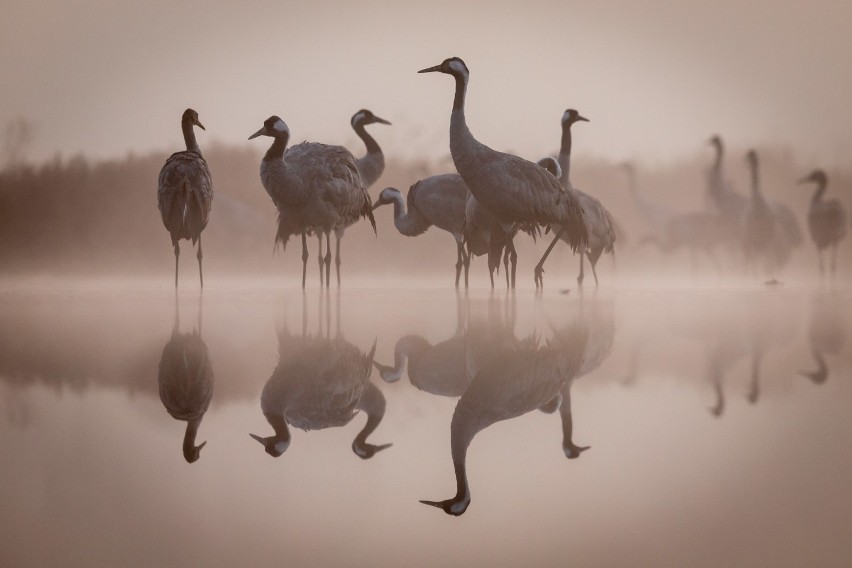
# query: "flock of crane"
{"type": "Point", "coordinates": [321, 189]}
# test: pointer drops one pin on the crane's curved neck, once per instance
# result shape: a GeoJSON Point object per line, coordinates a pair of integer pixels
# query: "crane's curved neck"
{"type": "Point", "coordinates": [189, 137]}
{"type": "Point", "coordinates": [190, 434]}
{"type": "Point", "coordinates": [408, 223]}
{"type": "Point", "coordinates": [279, 145]}
{"type": "Point", "coordinates": [565, 153]}
{"type": "Point", "coordinates": [369, 141]}
{"type": "Point", "coordinates": [822, 185]}
{"type": "Point", "coordinates": [373, 403]}
{"type": "Point", "coordinates": [459, 132]}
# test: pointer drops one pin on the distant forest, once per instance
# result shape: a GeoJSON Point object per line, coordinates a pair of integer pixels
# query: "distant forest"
{"type": "Point", "coordinates": [73, 217]}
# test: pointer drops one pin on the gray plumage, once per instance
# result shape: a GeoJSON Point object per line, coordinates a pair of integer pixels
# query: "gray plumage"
{"type": "Point", "coordinates": [486, 235]}
{"type": "Point", "coordinates": [372, 164]}
{"type": "Point", "coordinates": [826, 219]}
{"type": "Point", "coordinates": [759, 226]}
{"type": "Point", "coordinates": [436, 200]}
{"type": "Point", "coordinates": [600, 226]}
{"type": "Point", "coordinates": [512, 189]}
{"type": "Point", "coordinates": [316, 188]}
{"type": "Point", "coordinates": [320, 383]}
{"type": "Point", "coordinates": [185, 192]}
{"type": "Point", "coordinates": [185, 380]}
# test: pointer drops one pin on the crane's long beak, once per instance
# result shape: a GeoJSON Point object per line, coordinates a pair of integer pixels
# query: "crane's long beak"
{"type": "Point", "coordinates": [583, 118]}
{"type": "Point", "coordinates": [199, 125]}
{"type": "Point", "coordinates": [376, 204]}
{"type": "Point", "coordinates": [381, 120]}
{"type": "Point", "coordinates": [260, 132]}
{"type": "Point", "coordinates": [430, 69]}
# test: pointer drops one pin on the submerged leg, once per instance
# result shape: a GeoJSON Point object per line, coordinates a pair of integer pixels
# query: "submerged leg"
{"type": "Point", "coordinates": [199, 255]}
{"type": "Point", "coordinates": [304, 258]}
{"type": "Point", "coordinates": [459, 261]}
{"type": "Point", "coordinates": [581, 276]}
{"type": "Point", "coordinates": [539, 268]}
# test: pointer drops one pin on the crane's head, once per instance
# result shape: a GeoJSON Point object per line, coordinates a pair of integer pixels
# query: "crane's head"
{"type": "Point", "coordinates": [365, 117]}
{"type": "Point", "coordinates": [571, 116]}
{"type": "Point", "coordinates": [273, 126]}
{"type": "Point", "coordinates": [191, 453]}
{"type": "Point", "coordinates": [388, 195]}
{"type": "Point", "coordinates": [191, 117]}
{"type": "Point", "coordinates": [453, 66]}
{"type": "Point", "coordinates": [551, 165]}
{"type": "Point", "coordinates": [716, 142]}
{"type": "Point", "coordinates": [751, 158]}
{"type": "Point", "coordinates": [274, 445]}
{"type": "Point", "coordinates": [817, 176]}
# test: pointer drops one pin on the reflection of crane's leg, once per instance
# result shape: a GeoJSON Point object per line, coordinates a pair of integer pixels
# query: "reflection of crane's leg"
{"type": "Point", "coordinates": [177, 254]}
{"type": "Point", "coordinates": [337, 258]}
{"type": "Point", "coordinates": [327, 260]}
{"type": "Point", "coordinates": [466, 267]}
{"type": "Point", "coordinates": [304, 258]}
{"type": "Point", "coordinates": [506, 266]}
{"type": "Point", "coordinates": [593, 261]}
{"type": "Point", "coordinates": [538, 274]}
{"type": "Point", "coordinates": [199, 255]}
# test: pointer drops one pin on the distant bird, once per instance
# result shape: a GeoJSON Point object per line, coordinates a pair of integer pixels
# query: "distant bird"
{"type": "Point", "coordinates": [512, 189]}
{"type": "Point", "coordinates": [826, 220]}
{"type": "Point", "coordinates": [760, 225]}
{"type": "Point", "coordinates": [320, 383]}
{"type": "Point", "coordinates": [436, 200]}
{"type": "Point", "coordinates": [372, 164]}
{"type": "Point", "coordinates": [185, 192]}
{"type": "Point", "coordinates": [185, 381]}
{"type": "Point", "coordinates": [599, 223]}
{"type": "Point", "coordinates": [721, 194]}
{"type": "Point", "coordinates": [316, 188]}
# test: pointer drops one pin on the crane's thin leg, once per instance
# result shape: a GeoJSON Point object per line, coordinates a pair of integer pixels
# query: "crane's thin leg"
{"type": "Point", "coordinates": [328, 260]}
{"type": "Point", "coordinates": [466, 268]}
{"type": "Point", "coordinates": [304, 258]}
{"type": "Point", "coordinates": [459, 262]}
{"type": "Point", "coordinates": [513, 259]}
{"type": "Point", "coordinates": [200, 255]}
{"type": "Point", "coordinates": [177, 255]}
{"type": "Point", "coordinates": [539, 268]}
{"type": "Point", "coordinates": [506, 267]}
{"type": "Point", "coordinates": [337, 259]}
{"type": "Point", "coordinates": [319, 255]}
{"type": "Point", "coordinates": [581, 276]}
{"type": "Point", "coordinates": [594, 271]}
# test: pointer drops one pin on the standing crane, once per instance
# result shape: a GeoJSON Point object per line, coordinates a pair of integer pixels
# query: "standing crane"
{"type": "Point", "coordinates": [185, 192]}
{"type": "Point", "coordinates": [512, 189]}
{"type": "Point", "coordinates": [724, 199]}
{"type": "Point", "coordinates": [826, 220]}
{"type": "Point", "coordinates": [316, 188]}
{"type": "Point", "coordinates": [760, 225]}
{"type": "Point", "coordinates": [436, 200]}
{"type": "Point", "coordinates": [599, 223]}
{"type": "Point", "coordinates": [185, 380]}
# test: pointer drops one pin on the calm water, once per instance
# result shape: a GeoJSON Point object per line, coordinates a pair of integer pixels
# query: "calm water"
{"type": "Point", "coordinates": [708, 446]}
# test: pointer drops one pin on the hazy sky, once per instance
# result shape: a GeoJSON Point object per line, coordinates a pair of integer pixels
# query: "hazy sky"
{"type": "Point", "coordinates": [656, 78]}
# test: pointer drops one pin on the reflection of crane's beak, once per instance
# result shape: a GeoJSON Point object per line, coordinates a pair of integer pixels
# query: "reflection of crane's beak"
{"type": "Point", "coordinates": [258, 438]}
{"type": "Point", "coordinates": [260, 132]}
{"type": "Point", "coordinates": [430, 69]}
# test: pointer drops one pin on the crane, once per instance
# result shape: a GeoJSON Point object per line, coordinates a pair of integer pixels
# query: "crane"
{"type": "Point", "coordinates": [316, 188]}
{"type": "Point", "coordinates": [512, 189]}
{"type": "Point", "coordinates": [185, 192]}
